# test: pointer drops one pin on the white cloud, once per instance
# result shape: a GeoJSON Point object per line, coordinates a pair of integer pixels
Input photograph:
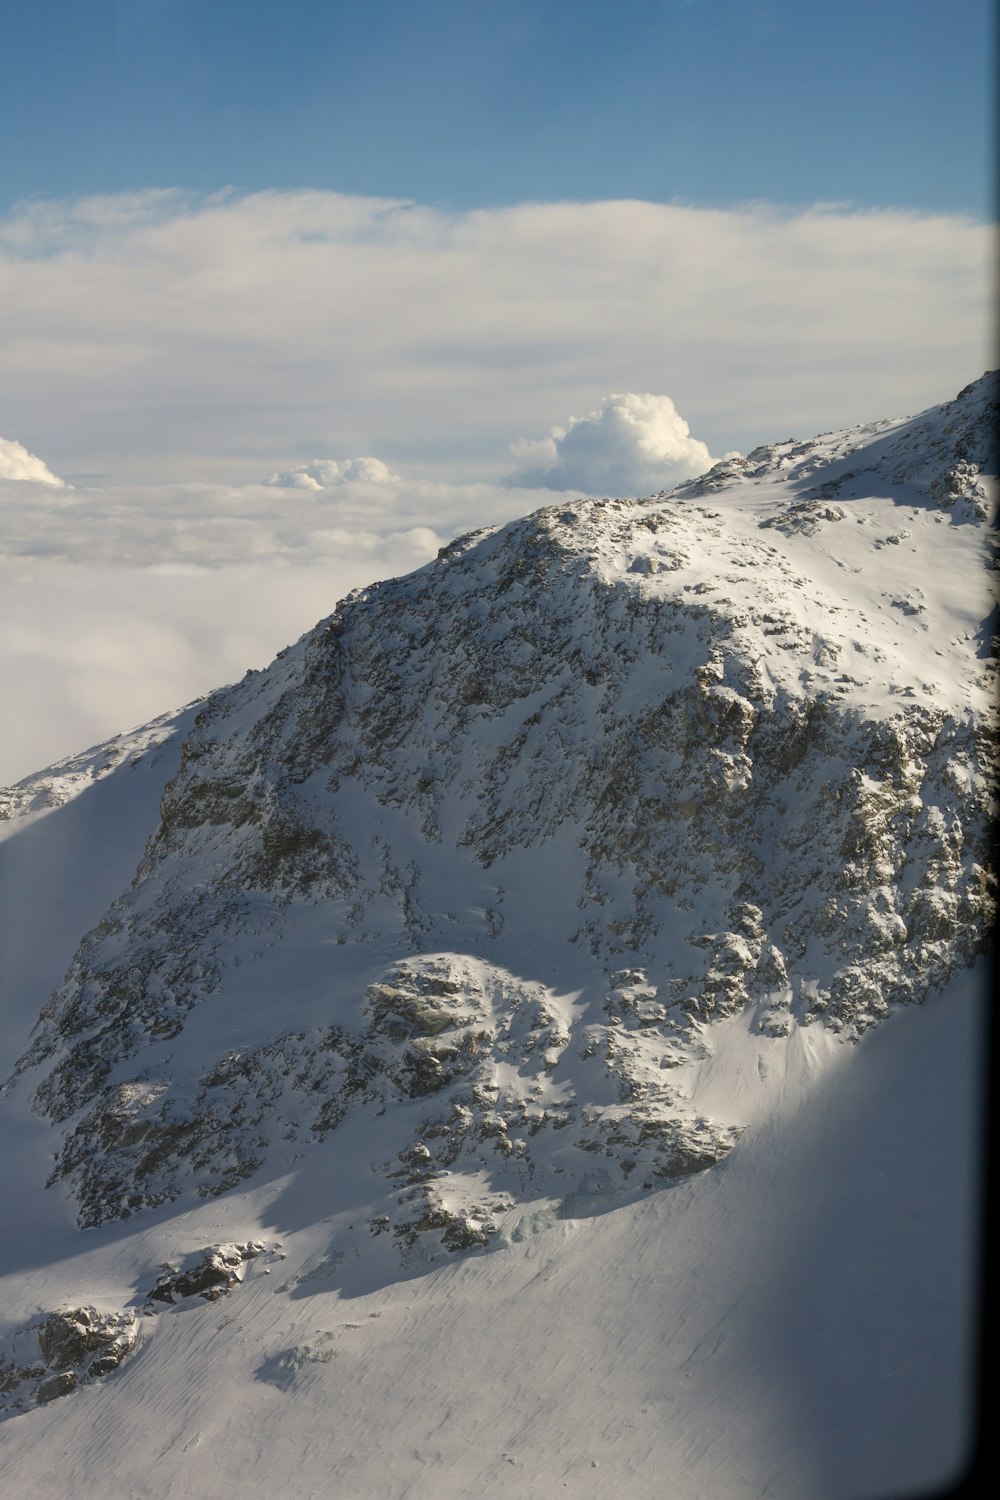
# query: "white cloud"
{"type": "Point", "coordinates": [325, 473]}
{"type": "Point", "coordinates": [17, 463]}
{"type": "Point", "coordinates": [632, 445]}
{"type": "Point", "coordinates": [224, 526]}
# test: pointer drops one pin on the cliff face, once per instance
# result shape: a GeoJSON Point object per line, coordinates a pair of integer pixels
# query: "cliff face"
{"type": "Point", "coordinates": [468, 874]}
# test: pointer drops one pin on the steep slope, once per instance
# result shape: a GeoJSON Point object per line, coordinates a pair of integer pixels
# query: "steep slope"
{"type": "Point", "coordinates": [794, 1323]}
{"type": "Point", "coordinates": [521, 887]}
{"type": "Point", "coordinates": [496, 840]}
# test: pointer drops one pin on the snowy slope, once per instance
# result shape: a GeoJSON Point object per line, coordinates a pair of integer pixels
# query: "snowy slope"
{"type": "Point", "coordinates": [565, 871]}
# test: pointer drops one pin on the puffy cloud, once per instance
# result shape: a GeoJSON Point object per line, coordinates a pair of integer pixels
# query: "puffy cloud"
{"type": "Point", "coordinates": [325, 473]}
{"type": "Point", "coordinates": [632, 445]}
{"type": "Point", "coordinates": [17, 463]}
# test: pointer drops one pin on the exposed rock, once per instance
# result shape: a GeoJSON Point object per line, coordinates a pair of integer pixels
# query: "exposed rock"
{"type": "Point", "coordinates": [215, 1273]}
{"type": "Point", "coordinates": [52, 1357]}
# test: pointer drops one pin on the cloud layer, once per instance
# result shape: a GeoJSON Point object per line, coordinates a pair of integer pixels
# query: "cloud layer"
{"type": "Point", "coordinates": [122, 600]}
{"type": "Point", "coordinates": [156, 337]}
{"type": "Point", "coordinates": [118, 603]}
{"type": "Point", "coordinates": [632, 445]}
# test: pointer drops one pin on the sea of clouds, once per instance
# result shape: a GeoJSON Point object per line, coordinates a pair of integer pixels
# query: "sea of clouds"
{"type": "Point", "coordinates": [120, 601]}
{"type": "Point", "coordinates": [220, 414]}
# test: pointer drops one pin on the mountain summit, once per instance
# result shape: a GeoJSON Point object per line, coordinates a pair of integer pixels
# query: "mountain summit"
{"type": "Point", "coordinates": [521, 888]}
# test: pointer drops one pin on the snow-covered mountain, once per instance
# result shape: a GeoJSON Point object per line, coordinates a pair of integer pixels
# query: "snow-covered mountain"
{"type": "Point", "coordinates": [560, 873]}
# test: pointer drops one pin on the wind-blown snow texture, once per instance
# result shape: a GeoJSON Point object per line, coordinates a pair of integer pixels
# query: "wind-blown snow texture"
{"type": "Point", "coordinates": [521, 887]}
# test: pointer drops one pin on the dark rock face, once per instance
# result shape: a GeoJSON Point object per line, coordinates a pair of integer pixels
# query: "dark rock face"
{"type": "Point", "coordinates": [215, 1273]}
{"type": "Point", "coordinates": [61, 1352]}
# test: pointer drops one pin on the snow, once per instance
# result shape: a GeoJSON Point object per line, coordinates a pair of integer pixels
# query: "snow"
{"type": "Point", "coordinates": [797, 1320]}
{"type": "Point", "coordinates": [73, 843]}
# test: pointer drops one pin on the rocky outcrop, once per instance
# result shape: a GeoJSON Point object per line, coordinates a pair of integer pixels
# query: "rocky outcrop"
{"type": "Point", "coordinates": [212, 1274]}
{"type": "Point", "coordinates": [61, 1352]}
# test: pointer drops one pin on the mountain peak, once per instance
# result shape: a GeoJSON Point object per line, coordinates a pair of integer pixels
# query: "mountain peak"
{"type": "Point", "coordinates": [697, 747]}
{"type": "Point", "coordinates": [550, 900]}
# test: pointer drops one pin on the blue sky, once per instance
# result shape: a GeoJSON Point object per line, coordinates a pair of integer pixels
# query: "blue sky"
{"type": "Point", "coordinates": [876, 102]}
